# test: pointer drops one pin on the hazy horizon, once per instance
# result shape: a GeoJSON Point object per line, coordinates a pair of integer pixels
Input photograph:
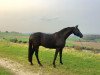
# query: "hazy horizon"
{"type": "Point", "coordinates": [27, 16]}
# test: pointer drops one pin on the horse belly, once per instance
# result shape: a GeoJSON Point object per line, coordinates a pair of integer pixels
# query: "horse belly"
{"type": "Point", "coordinates": [60, 43]}
{"type": "Point", "coordinates": [48, 44]}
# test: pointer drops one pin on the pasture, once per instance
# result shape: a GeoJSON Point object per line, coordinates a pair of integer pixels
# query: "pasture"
{"type": "Point", "coordinates": [4, 71]}
{"type": "Point", "coordinates": [75, 62]}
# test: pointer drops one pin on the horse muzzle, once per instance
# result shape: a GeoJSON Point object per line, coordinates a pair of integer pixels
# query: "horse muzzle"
{"type": "Point", "coordinates": [81, 36]}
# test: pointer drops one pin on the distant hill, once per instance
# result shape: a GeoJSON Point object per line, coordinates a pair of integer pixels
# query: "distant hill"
{"type": "Point", "coordinates": [14, 35]}
{"type": "Point", "coordinates": [86, 38]}
{"type": "Point", "coordinates": [94, 38]}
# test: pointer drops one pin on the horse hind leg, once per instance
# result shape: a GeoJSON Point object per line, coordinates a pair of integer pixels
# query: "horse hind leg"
{"type": "Point", "coordinates": [36, 54]}
{"type": "Point", "coordinates": [30, 57]}
{"type": "Point", "coordinates": [30, 53]}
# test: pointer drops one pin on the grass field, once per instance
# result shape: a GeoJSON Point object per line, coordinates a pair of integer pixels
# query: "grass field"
{"type": "Point", "coordinates": [4, 71]}
{"type": "Point", "coordinates": [75, 62]}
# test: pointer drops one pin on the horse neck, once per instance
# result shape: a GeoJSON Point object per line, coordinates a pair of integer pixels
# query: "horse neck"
{"type": "Point", "coordinates": [66, 33]}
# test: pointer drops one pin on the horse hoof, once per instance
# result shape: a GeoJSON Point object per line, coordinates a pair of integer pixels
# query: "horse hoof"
{"type": "Point", "coordinates": [54, 66]}
{"type": "Point", "coordinates": [31, 63]}
{"type": "Point", "coordinates": [41, 65]}
{"type": "Point", "coordinates": [61, 63]}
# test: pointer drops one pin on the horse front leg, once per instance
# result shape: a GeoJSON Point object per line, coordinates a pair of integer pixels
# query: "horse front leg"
{"type": "Point", "coordinates": [36, 53]}
{"type": "Point", "coordinates": [60, 54]}
{"type": "Point", "coordinates": [56, 53]}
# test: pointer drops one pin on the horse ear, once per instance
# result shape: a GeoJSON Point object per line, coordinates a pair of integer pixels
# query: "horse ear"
{"type": "Point", "coordinates": [76, 26]}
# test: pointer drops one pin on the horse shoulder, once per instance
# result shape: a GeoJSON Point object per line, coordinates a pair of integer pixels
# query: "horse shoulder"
{"type": "Point", "coordinates": [60, 42]}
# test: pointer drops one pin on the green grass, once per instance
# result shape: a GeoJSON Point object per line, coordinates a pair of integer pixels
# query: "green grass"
{"type": "Point", "coordinates": [97, 40]}
{"type": "Point", "coordinates": [69, 44]}
{"type": "Point", "coordinates": [75, 62]}
{"type": "Point", "coordinates": [4, 71]}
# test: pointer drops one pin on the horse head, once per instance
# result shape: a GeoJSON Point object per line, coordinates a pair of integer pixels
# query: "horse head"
{"type": "Point", "coordinates": [77, 32]}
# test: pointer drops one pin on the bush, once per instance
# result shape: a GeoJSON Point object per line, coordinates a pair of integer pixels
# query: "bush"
{"type": "Point", "coordinates": [19, 41]}
{"type": "Point", "coordinates": [24, 41]}
{"type": "Point", "coordinates": [14, 40]}
{"type": "Point", "coordinates": [4, 38]}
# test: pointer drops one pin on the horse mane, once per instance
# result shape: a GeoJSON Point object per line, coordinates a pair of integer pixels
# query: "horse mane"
{"type": "Point", "coordinates": [65, 29]}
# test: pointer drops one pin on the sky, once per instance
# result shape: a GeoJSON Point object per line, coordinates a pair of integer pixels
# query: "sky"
{"type": "Point", "coordinates": [49, 16]}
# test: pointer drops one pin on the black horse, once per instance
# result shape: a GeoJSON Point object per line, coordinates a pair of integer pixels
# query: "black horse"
{"type": "Point", "coordinates": [56, 41]}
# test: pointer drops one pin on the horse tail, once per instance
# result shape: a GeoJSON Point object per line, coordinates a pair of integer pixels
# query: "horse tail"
{"type": "Point", "coordinates": [30, 51]}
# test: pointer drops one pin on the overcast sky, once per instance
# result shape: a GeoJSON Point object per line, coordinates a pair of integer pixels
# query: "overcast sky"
{"type": "Point", "coordinates": [49, 15]}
